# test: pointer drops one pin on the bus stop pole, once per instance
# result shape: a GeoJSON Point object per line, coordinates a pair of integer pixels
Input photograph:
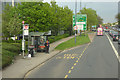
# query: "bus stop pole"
{"type": "Point", "coordinates": [23, 43]}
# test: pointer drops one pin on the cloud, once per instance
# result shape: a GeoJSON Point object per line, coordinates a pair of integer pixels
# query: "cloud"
{"type": "Point", "coordinates": [83, 0]}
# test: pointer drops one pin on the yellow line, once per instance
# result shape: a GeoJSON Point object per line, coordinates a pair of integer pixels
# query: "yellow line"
{"type": "Point", "coordinates": [75, 64]}
{"type": "Point", "coordinates": [77, 61]}
{"type": "Point", "coordinates": [67, 57]}
{"type": "Point", "coordinates": [72, 57]}
{"type": "Point", "coordinates": [72, 67]}
{"type": "Point", "coordinates": [69, 71]}
{"type": "Point", "coordinates": [66, 76]}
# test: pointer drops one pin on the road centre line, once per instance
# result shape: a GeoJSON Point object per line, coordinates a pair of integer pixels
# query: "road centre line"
{"type": "Point", "coordinates": [74, 63]}
{"type": "Point", "coordinates": [69, 71]}
{"type": "Point", "coordinates": [66, 76]}
{"type": "Point", "coordinates": [77, 61]}
{"type": "Point", "coordinates": [116, 53]}
{"type": "Point", "coordinates": [72, 67]}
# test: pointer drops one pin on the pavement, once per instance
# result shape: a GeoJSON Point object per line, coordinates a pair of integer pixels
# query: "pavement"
{"type": "Point", "coordinates": [93, 60]}
{"type": "Point", "coordinates": [23, 65]}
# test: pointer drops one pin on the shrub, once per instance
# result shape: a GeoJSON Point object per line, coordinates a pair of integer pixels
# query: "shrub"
{"type": "Point", "coordinates": [9, 51]}
{"type": "Point", "coordinates": [56, 38]}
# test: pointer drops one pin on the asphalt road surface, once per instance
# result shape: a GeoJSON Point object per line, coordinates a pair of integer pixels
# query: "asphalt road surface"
{"type": "Point", "coordinates": [94, 60]}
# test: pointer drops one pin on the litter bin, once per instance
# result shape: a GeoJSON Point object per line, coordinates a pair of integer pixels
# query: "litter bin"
{"type": "Point", "coordinates": [31, 52]}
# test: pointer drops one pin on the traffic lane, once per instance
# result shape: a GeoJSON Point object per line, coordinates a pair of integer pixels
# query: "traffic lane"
{"type": "Point", "coordinates": [115, 43]}
{"type": "Point", "coordinates": [98, 61]}
{"type": "Point", "coordinates": [58, 66]}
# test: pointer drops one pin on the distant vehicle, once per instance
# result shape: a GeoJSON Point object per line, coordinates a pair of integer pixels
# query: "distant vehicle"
{"type": "Point", "coordinates": [106, 29]}
{"type": "Point", "coordinates": [100, 31]}
{"type": "Point", "coordinates": [94, 30]}
{"type": "Point", "coordinates": [110, 32]}
{"type": "Point", "coordinates": [115, 36]}
{"type": "Point", "coordinates": [113, 33]}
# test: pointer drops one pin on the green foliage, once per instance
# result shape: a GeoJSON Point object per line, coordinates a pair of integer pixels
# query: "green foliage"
{"type": "Point", "coordinates": [10, 21]}
{"type": "Point", "coordinates": [100, 20]}
{"type": "Point", "coordinates": [9, 51]}
{"type": "Point", "coordinates": [40, 16]}
{"type": "Point", "coordinates": [92, 17]}
{"type": "Point", "coordinates": [56, 38]}
{"type": "Point", "coordinates": [118, 18]}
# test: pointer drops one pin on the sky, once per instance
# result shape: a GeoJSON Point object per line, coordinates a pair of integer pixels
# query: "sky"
{"type": "Point", "coordinates": [106, 9]}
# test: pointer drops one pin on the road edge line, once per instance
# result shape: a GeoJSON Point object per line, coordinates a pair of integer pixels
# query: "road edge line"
{"type": "Point", "coordinates": [115, 51]}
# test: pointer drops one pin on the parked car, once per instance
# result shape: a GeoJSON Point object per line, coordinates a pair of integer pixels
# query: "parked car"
{"type": "Point", "coordinates": [106, 30]}
{"type": "Point", "coordinates": [110, 32]}
{"type": "Point", "coordinates": [115, 36]}
{"type": "Point", "coordinates": [119, 39]}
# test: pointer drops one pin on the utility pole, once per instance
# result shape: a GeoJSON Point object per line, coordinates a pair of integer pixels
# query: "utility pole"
{"type": "Point", "coordinates": [80, 13]}
{"type": "Point", "coordinates": [13, 3]}
{"type": "Point", "coordinates": [80, 6]}
{"type": "Point", "coordinates": [75, 17]}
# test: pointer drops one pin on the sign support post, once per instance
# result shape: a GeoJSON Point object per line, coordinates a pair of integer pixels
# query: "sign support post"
{"type": "Point", "coordinates": [23, 41]}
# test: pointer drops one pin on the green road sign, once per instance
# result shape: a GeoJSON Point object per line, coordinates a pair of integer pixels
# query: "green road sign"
{"type": "Point", "coordinates": [94, 26]}
{"type": "Point", "coordinates": [81, 21]}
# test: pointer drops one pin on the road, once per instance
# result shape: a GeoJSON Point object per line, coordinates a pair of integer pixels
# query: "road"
{"type": "Point", "coordinates": [94, 60]}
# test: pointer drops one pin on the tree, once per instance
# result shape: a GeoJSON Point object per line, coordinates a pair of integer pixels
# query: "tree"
{"type": "Point", "coordinates": [100, 20]}
{"type": "Point", "coordinates": [14, 27]}
{"type": "Point", "coordinates": [40, 16]}
{"type": "Point", "coordinates": [91, 16]}
{"type": "Point", "coordinates": [10, 20]}
{"type": "Point", "coordinates": [118, 18]}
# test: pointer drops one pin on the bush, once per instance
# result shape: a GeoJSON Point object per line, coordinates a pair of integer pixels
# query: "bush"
{"type": "Point", "coordinates": [19, 41]}
{"type": "Point", "coordinates": [9, 51]}
{"type": "Point", "coordinates": [8, 41]}
{"type": "Point", "coordinates": [6, 60]}
{"type": "Point", "coordinates": [56, 38]}
{"type": "Point", "coordinates": [11, 47]}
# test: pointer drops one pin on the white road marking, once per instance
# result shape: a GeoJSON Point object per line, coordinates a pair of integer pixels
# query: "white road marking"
{"type": "Point", "coordinates": [116, 53]}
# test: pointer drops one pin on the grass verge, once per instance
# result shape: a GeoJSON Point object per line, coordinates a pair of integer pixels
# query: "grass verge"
{"type": "Point", "coordinates": [71, 43]}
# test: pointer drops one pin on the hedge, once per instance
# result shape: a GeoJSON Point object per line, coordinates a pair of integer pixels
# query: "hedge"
{"type": "Point", "coordinates": [56, 38]}
{"type": "Point", "coordinates": [9, 51]}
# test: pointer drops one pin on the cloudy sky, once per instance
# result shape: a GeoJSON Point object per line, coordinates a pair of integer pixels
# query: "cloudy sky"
{"type": "Point", "coordinates": [107, 9]}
